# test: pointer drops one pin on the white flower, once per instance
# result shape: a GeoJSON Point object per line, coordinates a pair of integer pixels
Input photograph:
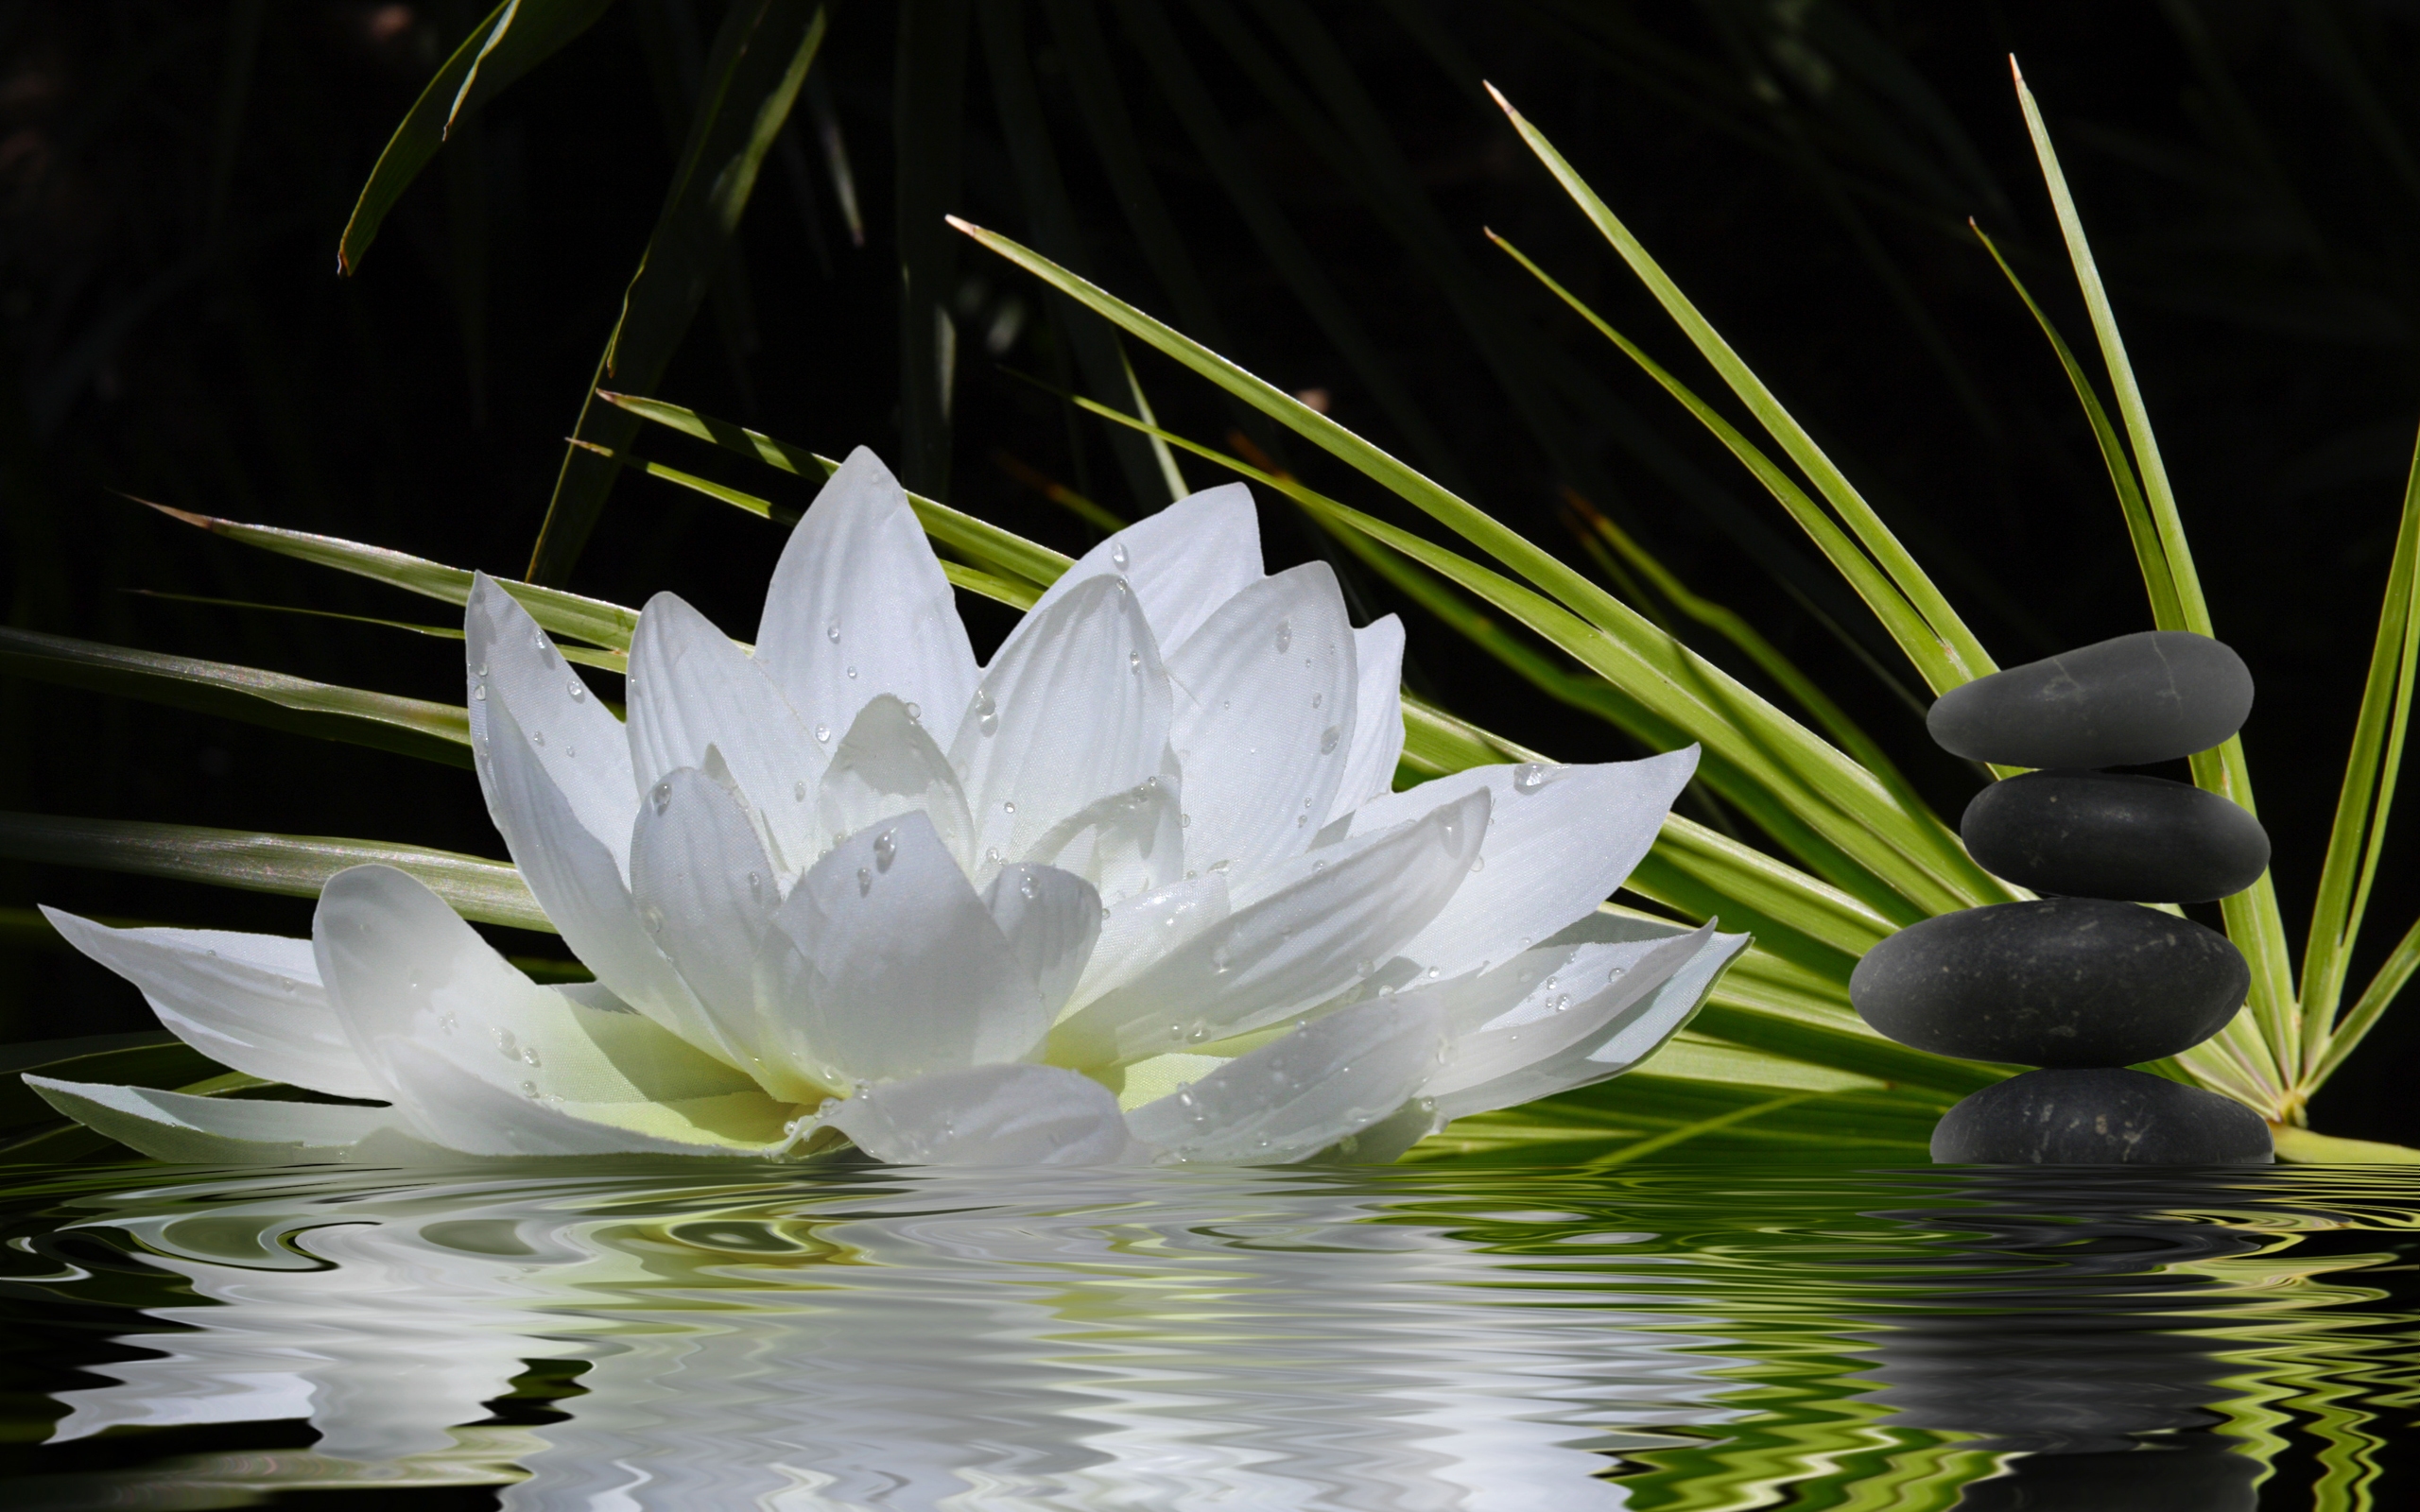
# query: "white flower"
{"type": "Point", "coordinates": [1137, 890]}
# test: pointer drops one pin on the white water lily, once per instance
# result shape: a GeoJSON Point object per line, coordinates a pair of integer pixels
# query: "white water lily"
{"type": "Point", "coordinates": [1137, 890]}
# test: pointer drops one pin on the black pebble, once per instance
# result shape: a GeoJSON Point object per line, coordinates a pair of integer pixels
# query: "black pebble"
{"type": "Point", "coordinates": [2112, 834]}
{"type": "Point", "coordinates": [2100, 1117]}
{"type": "Point", "coordinates": [2139, 698]}
{"type": "Point", "coordinates": [2053, 982]}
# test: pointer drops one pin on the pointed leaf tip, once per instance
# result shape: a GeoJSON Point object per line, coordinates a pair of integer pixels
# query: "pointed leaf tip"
{"type": "Point", "coordinates": [199, 521]}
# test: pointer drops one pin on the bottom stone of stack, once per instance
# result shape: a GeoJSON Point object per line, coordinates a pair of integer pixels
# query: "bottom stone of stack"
{"type": "Point", "coordinates": [2100, 1117]}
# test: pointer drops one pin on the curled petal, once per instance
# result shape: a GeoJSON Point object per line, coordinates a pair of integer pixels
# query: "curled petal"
{"type": "Point", "coordinates": [887, 765]}
{"type": "Point", "coordinates": [217, 1130]}
{"type": "Point", "coordinates": [577, 746]}
{"type": "Point", "coordinates": [1074, 708]}
{"type": "Point", "coordinates": [1184, 563]}
{"type": "Point", "coordinates": [692, 690]}
{"type": "Point", "coordinates": [884, 965]}
{"type": "Point", "coordinates": [252, 1002]}
{"type": "Point", "coordinates": [1051, 919]}
{"type": "Point", "coordinates": [1288, 951]}
{"type": "Point", "coordinates": [1304, 1093]}
{"type": "Point", "coordinates": [990, 1115]}
{"type": "Point", "coordinates": [1264, 718]}
{"type": "Point", "coordinates": [1125, 844]}
{"type": "Point", "coordinates": [858, 607]}
{"type": "Point", "coordinates": [1377, 717]}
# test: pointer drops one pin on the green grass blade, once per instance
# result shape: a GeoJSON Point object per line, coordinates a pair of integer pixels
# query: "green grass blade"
{"type": "Point", "coordinates": [516, 37]}
{"type": "Point", "coordinates": [606, 661]}
{"type": "Point", "coordinates": [2356, 839]}
{"type": "Point", "coordinates": [1690, 1131]}
{"type": "Point", "coordinates": [2167, 612]}
{"type": "Point", "coordinates": [491, 892]}
{"type": "Point", "coordinates": [760, 57]}
{"type": "Point", "coordinates": [410, 727]}
{"type": "Point", "coordinates": [1915, 638]}
{"type": "Point", "coordinates": [593, 620]}
{"type": "Point", "coordinates": [998, 551]}
{"type": "Point", "coordinates": [1959, 643]}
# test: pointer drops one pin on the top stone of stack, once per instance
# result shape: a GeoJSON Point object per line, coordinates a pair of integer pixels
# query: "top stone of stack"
{"type": "Point", "coordinates": [2139, 698]}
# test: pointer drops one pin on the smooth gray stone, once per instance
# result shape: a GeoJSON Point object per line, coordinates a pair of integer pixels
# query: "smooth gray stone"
{"type": "Point", "coordinates": [2114, 835]}
{"type": "Point", "coordinates": [2053, 982]}
{"type": "Point", "coordinates": [2109, 1116]}
{"type": "Point", "coordinates": [2147, 697]}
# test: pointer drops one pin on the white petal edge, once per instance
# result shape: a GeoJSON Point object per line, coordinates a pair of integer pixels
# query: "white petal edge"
{"type": "Point", "coordinates": [1124, 844]}
{"type": "Point", "coordinates": [573, 739]}
{"type": "Point", "coordinates": [1588, 989]}
{"type": "Point", "coordinates": [990, 1115]}
{"type": "Point", "coordinates": [1377, 717]}
{"type": "Point", "coordinates": [217, 1131]}
{"type": "Point", "coordinates": [858, 564]}
{"type": "Point", "coordinates": [1264, 718]}
{"type": "Point", "coordinates": [1184, 561]}
{"type": "Point", "coordinates": [1288, 951]}
{"type": "Point", "coordinates": [1297, 1096]}
{"type": "Point", "coordinates": [690, 688]}
{"type": "Point", "coordinates": [886, 765]}
{"type": "Point", "coordinates": [250, 1002]}
{"type": "Point", "coordinates": [1142, 930]}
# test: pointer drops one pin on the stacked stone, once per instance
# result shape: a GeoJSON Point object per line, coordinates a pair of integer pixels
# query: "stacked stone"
{"type": "Point", "coordinates": [2084, 981]}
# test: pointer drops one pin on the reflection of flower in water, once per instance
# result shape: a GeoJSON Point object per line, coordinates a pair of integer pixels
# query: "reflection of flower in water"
{"type": "Point", "coordinates": [1138, 1339]}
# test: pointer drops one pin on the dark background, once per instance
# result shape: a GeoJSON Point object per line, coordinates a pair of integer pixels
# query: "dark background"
{"type": "Point", "coordinates": [173, 177]}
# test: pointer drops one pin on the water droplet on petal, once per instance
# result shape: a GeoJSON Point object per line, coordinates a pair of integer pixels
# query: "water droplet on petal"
{"type": "Point", "coordinates": [1318, 699]}
{"type": "Point", "coordinates": [798, 791]}
{"type": "Point", "coordinates": [1118, 556]}
{"type": "Point", "coordinates": [537, 737]}
{"type": "Point", "coordinates": [915, 713]}
{"type": "Point", "coordinates": [577, 690]}
{"type": "Point", "coordinates": [1316, 866]}
{"type": "Point", "coordinates": [530, 1090]}
{"type": "Point", "coordinates": [1328, 740]}
{"type": "Point", "coordinates": [755, 887]}
{"type": "Point", "coordinates": [1529, 777]}
{"type": "Point", "coordinates": [1134, 661]}
{"type": "Point", "coordinates": [865, 882]}
{"type": "Point", "coordinates": [1027, 889]}
{"type": "Point", "coordinates": [480, 692]}
{"type": "Point", "coordinates": [661, 796]}
{"type": "Point", "coordinates": [529, 1054]}
{"type": "Point", "coordinates": [1616, 975]}
{"type": "Point", "coordinates": [483, 669]}
{"type": "Point", "coordinates": [822, 733]}
{"type": "Point", "coordinates": [991, 854]}
{"type": "Point", "coordinates": [831, 629]}
{"type": "Point", "coordinates": [987, 711]}
{"type": "Point", "coordinates": [652, 917]}
{"type": "Point", "coordinates": [1285, 635]}
{"type": "Point", "coordinates": [1008, 805]}
{"type": "Point", "coordinates": [1479, 863]}
{"type": "Point", "coordinates": [853, 672]}
{"type": "Point", "coordinates": [886, 849]}
{"type": "Point", "coordinates": [1184, 821]}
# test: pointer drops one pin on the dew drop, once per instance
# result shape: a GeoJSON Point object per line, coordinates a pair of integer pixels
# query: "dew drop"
{"type": "Point", "coordinates": [1218, 868]}
{"type": "Point", "coordinates": [1364, 966]}
{"type": "Point", "coordinates": [798, 791]}
{"type": "Point", "coordinates": [1285, 635]}
{"type": "Point", "coordinates": [886, 849]}
{"type": "Point", "coordinates": [853, 672]}
{"type": "Point", "coordinates": [1529, 777]}
{"type": "Point", "coordinates": [987, 713]}
{"type": "Point", "coordinates": [1300, 820]}
{"type": "Point", "coordinates": [1134, 661]}
{"type": "Point", "coordinates": [1562, 1003]}
{"type": "Point", "coordinates": [1328, 740]}
{"type": "Point", "coordinates": [1316, 866]}
{"type": "Point", "coordinates": [1008, 805]}
{"type": "Point", "coordinates": [661, 796]}
{"type": "Point", "coordinates": [1318, 699]}
{"type": "Point", "coordinates": [1184, 821]}
{"type": "Point", "coordinates": [483, 669]}
{"type": "Point", "coordinates": [915, 713]}
{"type": "Point", "coordinates": [537, 737]}
{"type": "Point", "coordinates": [571, 750]}
{"type": "Point", "coordinates": [506, 1045]}
{"type": "Point", "coordinates": [991, 854]}
{"type": "Point", "coordinates": [529, 1054]}
{"type": "Point", "coordinates": [1104, 915]}
{"type": "Point", "coordinates": [652, 917]}
{"type": "Point", "coordinates": [865, 882]}
{"type": "Point", "coordinates": [1550, 981]}
{"type": "Point", "coordinates": [447, 1021]}
{"type": "Point", "coordinates": [1027, 889]}
{"type": "Point", "coordinates": [1176, 1035]}
{"type": "Point", "coordinates": [823, 734]}
{"type": "Point", "coordinates": [831, 629]}
{"type": "Point", "coordinates": [1479, 863]}
{"type": "Point", "coordinates": [755, 887]}
{"type": "Point", "coordinates": [1433, 973]}
{"type": "Point", "coordinates": [1118, 556]}
{"type": "Point", "coordinates": [480, 692]}
{"type": "Point", "coordinates": [1616, 975]}
{"type": "Point", "coordinates": [577, 690]}
{"type": "Point", "coordinates": [1386, 989]}
{"type": "Point", "coordinates": [530, 1090]}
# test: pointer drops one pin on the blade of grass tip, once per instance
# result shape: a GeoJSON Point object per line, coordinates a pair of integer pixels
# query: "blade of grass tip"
{"type": "Point", "coordinates": [383, 721]}
{"type": "Point", "coordinates": [604, 661]}
{"type": "Point", "coordinates": [1925, 649]}
{"type": "Point", "coordinates": [593, 620]}
{"type": "Point", "coordinates": [2167, 612]}
{"type": "Point", "coordinates": [996, 550]}
{"type": "Point", "coordinates": [1160, 453]}
{"type": "Point", "coordinates": [1058, 494]}
{"type": "Point", "coordinates": [1911, 579]}
{"type": "Point", "coordinates": [516, 37]}
{"type": "Point", "coordinates": [298, 865]}
{"type": "Point", "coordinates": [760, 57]}
{"type": "Point", "coordinates": [1906, 853]}
{"type": "Point", "coordinates": [2370, 773]}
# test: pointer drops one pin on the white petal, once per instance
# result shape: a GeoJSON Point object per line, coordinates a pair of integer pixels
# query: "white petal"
{"type": "Point", "coordinates": [582, 886]}
{"type": "Point", "coordinates": [1051, 918]}
{"type": "Point", "coordinates": [435, 1009]}
{"type": "Point", "coordinates": [690, 688]}
{"type": "Point", "coordinates": [859, 607]}
{"type": "Point", "coordinates": [1288, 951]}
{"type": "Point", "coordinates": [990, 1115]}
{"type": "Point", "coordinates": [884, 965]}
{"type": "Point", "coordinates": [1302, 1093]}
{"type": "Point", "coordinates": [1564, 998]}
{"type": "Point", "coordinates": [216, 1131]}
{"type": "Point", "coordinates": [1264, 719]}
{"type": "Point", "coordinates": [1183, 561]}
{"type": "Point", "coordinates": [1560, 840]}
{"type": "Point", "coordinates": [1377, 716]}
{"type": "Point", "coordinates": [1140, 931]}
{"type": "Point", "coordinates": [887, 765]}
{"type": "Point", "coordinates": [706, 893]}
{"type": "Point", "coordinates": [574, 740]}
{"type": "Point", "coordinates": [252, 1002]}
{"type": "Point", "coordinates": [1124, 844]}
{"type": "Point", "coordinates": [1074, 708]}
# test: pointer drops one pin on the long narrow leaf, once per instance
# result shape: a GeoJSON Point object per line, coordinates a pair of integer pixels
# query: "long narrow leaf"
{"type": "Point", "coordinates": [585, 656]}
{"type": "Point", "coordinates": [411, 727]}
{"type": "Point", "coordinates": [516, 37]}
{"type": "Point", "coordinates": [298, 865]}
{"type": "Point", "coordinates": [760, 57]}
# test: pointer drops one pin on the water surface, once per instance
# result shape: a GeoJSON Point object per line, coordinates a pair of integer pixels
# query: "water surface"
{"type": "Point", "coordinates": [1703, 1335]}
